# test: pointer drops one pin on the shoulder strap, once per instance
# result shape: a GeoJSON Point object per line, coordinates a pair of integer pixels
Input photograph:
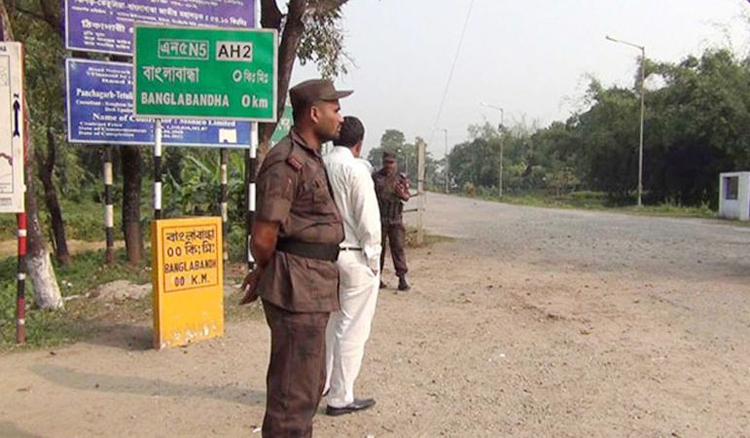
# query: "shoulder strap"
{"type": "Point", "coordinates": [296, 158]}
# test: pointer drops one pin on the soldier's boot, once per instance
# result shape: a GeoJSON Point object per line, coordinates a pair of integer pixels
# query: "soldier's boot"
{"type": "Point", "coordinates": [402, 284]}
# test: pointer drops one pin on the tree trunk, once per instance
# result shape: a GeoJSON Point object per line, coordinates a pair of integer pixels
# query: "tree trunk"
{"type": "Point", "coordinates": [131, 203]}
{"type": "Point", "coordinates": [290, 40]}
{"type": "Point", "coordinates": [50, 200]}
{"type": "Point", "coordinates": [46, 290]}
{"type": "Point", "coordinates": [47, 294]}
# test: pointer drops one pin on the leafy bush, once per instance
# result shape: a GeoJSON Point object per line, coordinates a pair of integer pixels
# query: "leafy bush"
{"type": "Point", "coordinates": [196, 191]}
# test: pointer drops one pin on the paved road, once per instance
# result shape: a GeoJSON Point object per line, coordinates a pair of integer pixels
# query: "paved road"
{"type": "Point", "coordinates": [646, 247]}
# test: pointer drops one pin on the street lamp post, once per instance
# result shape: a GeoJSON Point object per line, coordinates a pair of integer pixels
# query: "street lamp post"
{"type": "Point", "coordinates": [643, 109]}
{"type": "Point", "coordinates": [500, 130]}
{"type": "Point", "coordinates": [447, 174]}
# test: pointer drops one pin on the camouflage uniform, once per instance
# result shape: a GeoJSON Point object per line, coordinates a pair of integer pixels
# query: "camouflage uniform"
{"type": "Point", "coordinates": [298, 292]}
{"type": "Point", "coordinates": [391, 218]}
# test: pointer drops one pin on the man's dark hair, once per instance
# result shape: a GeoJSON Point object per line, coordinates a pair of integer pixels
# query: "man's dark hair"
{"type": "Point", "coordinates": [298, 111]}
{"type": "Point", "coordinates": [352, 132]}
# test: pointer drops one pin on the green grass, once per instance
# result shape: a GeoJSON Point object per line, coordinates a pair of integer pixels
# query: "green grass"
{"type": "Point", "coordinates": [598, 201]}
{"type": "Point", "coordinates": [83, 221]}
{"type": "Point", "coordinates": [671, 211]}
{"type": "Point", "coordinates": [8, 226]}
{"type": "Point", "coordinates": [45, 328]}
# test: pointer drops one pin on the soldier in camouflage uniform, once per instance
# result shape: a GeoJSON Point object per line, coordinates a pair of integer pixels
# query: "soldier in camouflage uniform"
{"type": "Point", "coordinates": [392, 189]}
{"type": "Point", "coordinates": [295, 242]}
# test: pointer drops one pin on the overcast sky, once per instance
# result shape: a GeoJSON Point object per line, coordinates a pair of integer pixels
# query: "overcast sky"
{"type": "Point", "coordinates": [531, 57]}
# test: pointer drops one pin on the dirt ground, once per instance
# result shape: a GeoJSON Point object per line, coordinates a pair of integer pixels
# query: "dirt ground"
{"type": "Point", "coordinates": [529, 323]}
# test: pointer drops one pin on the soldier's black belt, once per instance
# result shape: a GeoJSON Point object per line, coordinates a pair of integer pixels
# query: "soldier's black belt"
{"type": "Point", "coordinates": [318, 251]}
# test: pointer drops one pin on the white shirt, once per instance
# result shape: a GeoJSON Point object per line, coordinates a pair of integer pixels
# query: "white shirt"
{"type": "Point", "coordinates": [354, 194]}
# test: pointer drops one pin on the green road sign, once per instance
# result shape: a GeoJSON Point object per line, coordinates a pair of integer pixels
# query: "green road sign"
{"type": "Point", "coordinates": [205, 73]}
{"type": "Point", "coordinates": [284, 125]}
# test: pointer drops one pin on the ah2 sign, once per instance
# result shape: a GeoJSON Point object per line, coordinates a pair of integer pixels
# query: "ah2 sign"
{"type": "Point", "coordinates": [205, 73]}
{"type": "Point", "coordinates": [234, 51]}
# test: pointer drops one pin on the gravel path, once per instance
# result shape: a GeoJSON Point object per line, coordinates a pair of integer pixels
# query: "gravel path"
{"type": "Point", "coordinates": [531, 322]}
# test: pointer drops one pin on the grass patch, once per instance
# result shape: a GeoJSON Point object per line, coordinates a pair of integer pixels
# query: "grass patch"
{"type": "Point", "coordinates": [83, 221]}
{"type": "Point", "coordinates": [671, 211]}
{"type": "Point", "coordinates": [599, 202]}
{"type": "Point", "coordinates": [45, 328]}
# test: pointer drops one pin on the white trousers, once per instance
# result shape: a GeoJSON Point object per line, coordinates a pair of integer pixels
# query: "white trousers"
{"type": "Point", "coordinates": [349, 328]}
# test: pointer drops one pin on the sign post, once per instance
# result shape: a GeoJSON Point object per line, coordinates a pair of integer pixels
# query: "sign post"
{"type": "Point", "coordinates": [208, 74]}
{"type": "Point", "coordinates": [100, 93]}
{"type": "Point", "coordinates": [107, 26]}
{"type": "Point", "coordinates": [227, 74]}
{"type": "Point", "coordinates": [12, 186]}
{"type": "Point", "coordinates": [12, 158]}
{"type": "Point", "coordinates": [100, 111]}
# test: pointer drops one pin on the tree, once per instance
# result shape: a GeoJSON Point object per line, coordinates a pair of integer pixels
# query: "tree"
{"type": "Point", "coordinates": [392, 140]}
{"type": "Point", "coordinates": [609, 139]}
{"type": "Point", "coordinates": [131, 202]}
{"type": "Point", "coordinates": [700, 126]}
{"type": "Point", "coordinates": [310, 31]}
{"type": "Point", "coordinates": [47, 292]}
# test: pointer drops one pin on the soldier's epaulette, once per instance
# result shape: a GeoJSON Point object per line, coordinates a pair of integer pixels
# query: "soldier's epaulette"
{"type": "Point", "coordinates": [295, 162]}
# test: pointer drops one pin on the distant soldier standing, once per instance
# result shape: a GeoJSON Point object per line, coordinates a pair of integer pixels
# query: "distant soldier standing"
{"type": "Point", "coordinates": [392, 189]}
{"type": "Point", "coordinates": [295, 242]}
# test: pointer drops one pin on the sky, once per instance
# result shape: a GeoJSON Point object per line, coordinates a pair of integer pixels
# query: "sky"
{"type": "Point", "coordinates": [532, 58]}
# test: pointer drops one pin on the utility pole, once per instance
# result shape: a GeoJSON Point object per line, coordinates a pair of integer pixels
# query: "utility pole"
{"type": "Point", "coordinates": [420, 189]}
{"type": "Point", "coordinates": [447, 173]}
{"type": "Point", "coordinates": [500, 131]}
{"type": "Point", "coordinates": [643, 110]}
{"type": "Point", "coordinates": [500, 173]}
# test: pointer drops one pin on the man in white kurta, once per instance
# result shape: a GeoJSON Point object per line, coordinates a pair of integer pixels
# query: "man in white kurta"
{"type": "Point", "coordinates": [358, 262]}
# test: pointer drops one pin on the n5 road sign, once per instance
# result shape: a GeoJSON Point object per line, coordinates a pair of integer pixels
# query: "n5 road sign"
{"type": "Point", "coordinates": [205, 73]}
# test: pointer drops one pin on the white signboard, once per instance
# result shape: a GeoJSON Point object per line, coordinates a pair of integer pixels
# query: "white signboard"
{"type": "Point", "coordinates": [11, 128]}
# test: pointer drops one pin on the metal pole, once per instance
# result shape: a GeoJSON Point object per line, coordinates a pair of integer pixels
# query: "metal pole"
{"type": "Point", "coordinates": [640, 144]}
{"type": "Point", "coordinates": [251, 158]}
{"type": "Point", "coordinates": [224, 201]}
{"type": "Point", "coordinates": [643, 110]}
{"type": "Point", "coordinates": [447, 173]}
{"type": "Point", "coordinates": [157, 169]}
{"type": "Point", "coordinates": [251, 170]}
{"type": "Point", "coordinates": [21, 281]}
{"type": "Point", "coordinates": [109, 210]}
{"type": "Point", "coordinates": [420, 190]}
{"type": "Point", "coordinates": [500, 131]}
{"type": "Point", "coordinates": [500, 176]}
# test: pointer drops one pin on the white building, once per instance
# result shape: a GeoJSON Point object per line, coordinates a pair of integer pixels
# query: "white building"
{"type": "Point", "coordinates": [734, 195]}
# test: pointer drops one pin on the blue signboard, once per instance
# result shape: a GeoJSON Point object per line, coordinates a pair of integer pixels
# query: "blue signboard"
{"type": "Point", "coordinates": [107, 25]}
{"type": "Point", "coordinates": [100, 111]}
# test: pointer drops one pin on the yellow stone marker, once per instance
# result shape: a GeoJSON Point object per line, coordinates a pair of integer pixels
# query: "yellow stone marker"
{"type": "Point", "coordinates": [188, 280]}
